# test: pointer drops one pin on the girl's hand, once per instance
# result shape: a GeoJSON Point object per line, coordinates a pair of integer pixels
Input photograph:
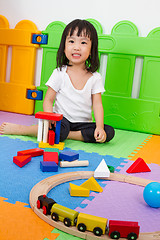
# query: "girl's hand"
{"type": "Point", "coordinates": [100, 135]}
{"type": "Point", "coordinates": [52, 123]}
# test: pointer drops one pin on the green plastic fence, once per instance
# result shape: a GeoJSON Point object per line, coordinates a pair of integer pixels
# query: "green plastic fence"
{"type": "Point", "coordinates": [122, 47]}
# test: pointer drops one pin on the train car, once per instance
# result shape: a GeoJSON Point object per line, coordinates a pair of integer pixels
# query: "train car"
{"type": "Point", "coordinates": [64, 214]}
{"type": "Point", "coordinates": [123, 229]}
{"type": "Point", "coordinates": [45, 203]}
{"type": "Point", "coordinates": [88, 222]}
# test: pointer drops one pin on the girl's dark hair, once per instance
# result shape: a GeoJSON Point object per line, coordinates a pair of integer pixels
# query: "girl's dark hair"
{"type": "Point", "coordinates": [92, 63]}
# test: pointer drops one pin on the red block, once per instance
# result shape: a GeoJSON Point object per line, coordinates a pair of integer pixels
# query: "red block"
{"type": "Point", "coordinates": [50, 157]}
{"type": "Point", "coordinates": [51, 137]}
{"type": "Point", "coordinates": [138, 166]}
{"type": "Point", "coordinates": [22, 160]}
{"type": "Point", "coordinates": [33, 152]}
{"type": "Point", "coordinates": [49, 116]}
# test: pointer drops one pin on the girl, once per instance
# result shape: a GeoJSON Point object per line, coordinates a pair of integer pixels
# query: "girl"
{"type": "Point", "coordinates": [76, 87]}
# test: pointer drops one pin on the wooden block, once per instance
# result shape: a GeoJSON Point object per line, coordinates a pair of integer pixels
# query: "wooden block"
{"type": "Point", "coordinates": [68, 156]}
{"type": "Point", "coordinates": [22, 160]}
{"type": "Point", "coordinates": [50, 157]}
{"type": "Point", "coordinates": [40, 130]}
{"type": "Point", "coordinates": [60, 146]}
{"type": "Point", "coordinates": [102, 170]}
{"type": "Point", "coordinates": [92, 185]}
{"type": "Point", "coordinates": [75, 163]}
{"type": "Point", "coordinates": [33, 152]}
{"type": "Point", "coordinates": [78, 191]}
{"type": "Point", "coordinates": [49, 116]}
{"type": "Point", "coordinates": [48, 166]}
{"type": "Point", "coordinates": [51, 137]}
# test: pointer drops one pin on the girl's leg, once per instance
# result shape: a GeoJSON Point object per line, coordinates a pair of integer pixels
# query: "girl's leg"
{"type": "Point", "coordinates": [17, 129]}
{"type": "Point", "coordinates": [75, 135]}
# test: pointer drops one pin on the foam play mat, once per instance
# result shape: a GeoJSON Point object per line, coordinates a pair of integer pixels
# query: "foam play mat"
{"type": "Point", "coordinates": [118, 201]}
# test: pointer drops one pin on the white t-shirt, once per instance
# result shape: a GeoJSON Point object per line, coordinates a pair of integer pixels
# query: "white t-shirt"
{"type": "Point", "coordinates": [74, 104]}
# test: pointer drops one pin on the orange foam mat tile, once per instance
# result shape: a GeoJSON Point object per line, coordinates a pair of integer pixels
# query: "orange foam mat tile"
{"type": "Point", "coordinates": [21, 223]}
{"type": "Point", "coordinates": [149, 150]}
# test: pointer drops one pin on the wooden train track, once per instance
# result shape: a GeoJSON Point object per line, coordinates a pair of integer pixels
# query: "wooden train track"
{"type": "Point", "coordinates": [44, 186]}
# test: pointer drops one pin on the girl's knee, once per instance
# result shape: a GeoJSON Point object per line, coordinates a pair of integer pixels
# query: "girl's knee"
{"type": "Point", "coordinates": [110, 132]}
{"type": "Point", "coordinates": [65, 129]}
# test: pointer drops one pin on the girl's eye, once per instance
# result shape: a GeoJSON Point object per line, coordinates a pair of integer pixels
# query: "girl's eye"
{"type": "Point", "coordinates": [71, 41]}
{"type": "Point", "coordinates": [83, 42]}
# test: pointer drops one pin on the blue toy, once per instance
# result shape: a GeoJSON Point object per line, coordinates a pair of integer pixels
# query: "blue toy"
{"type": "Point", "coordinates": [48, 166]}
{"type": "Point", "coordinates": [39, 39]}
{"type": "Point", "coordinates": [34, 94]}
{"type": "Point", "coordinates": [151, 194]}
{"type": "Point", "coordinates": [68, 156]}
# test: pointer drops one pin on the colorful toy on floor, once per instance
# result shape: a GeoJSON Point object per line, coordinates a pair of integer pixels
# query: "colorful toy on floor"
{"type": "Point", "coordinates": [68, 156]}
{"type": "Point", "coordinates": [43, 129]}
{"type": "Point", "coordinates": [33, 152]}
{"type": "Point", "coordinates": [22, 160]}
{"type": "Point", "coordinates": [138, 166]}
{"type": "Point", "coordinates": [78, 191]}
{"type": "Point", "coordinates": [102, 170]}
{"type": "Point", "coordinates": [75, 163]}
{"type": "Point", "coordinates": [151, 194]}
{"type": "Point", "coordinates": [50, 162]}
{"type": "Point", "coordinates": [92, 185]}
{"type": "Point", "coordinates": [23, 157]}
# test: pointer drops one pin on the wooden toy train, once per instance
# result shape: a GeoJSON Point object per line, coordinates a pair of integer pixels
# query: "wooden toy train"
{"type": "Point", "coordinates": [83, 221]}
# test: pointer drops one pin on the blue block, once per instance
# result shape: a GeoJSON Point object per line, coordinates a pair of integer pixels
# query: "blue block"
{"type": "Point", "coordinates": [48, 166]}
{"type": "Point", "coordinates": [34, 94]}
{"type": "Point", "coordinates": [39, 39]}
{"type": "Point", "coordinates": [68, 156]}
{"type": "Point", "coordinates": [57, 132]}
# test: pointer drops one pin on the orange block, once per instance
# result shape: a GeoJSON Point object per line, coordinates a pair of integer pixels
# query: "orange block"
{"type": "Point", "coordinates": [24, 223]}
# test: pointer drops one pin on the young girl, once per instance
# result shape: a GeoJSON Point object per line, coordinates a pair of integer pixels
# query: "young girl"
{"type": "Point", "coordinates": [76, 87]}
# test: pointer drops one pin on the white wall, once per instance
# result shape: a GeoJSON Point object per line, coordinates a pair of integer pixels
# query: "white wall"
{"type": "Point", "coordinates": [143, 13]}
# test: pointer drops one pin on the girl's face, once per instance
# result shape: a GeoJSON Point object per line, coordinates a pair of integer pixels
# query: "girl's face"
{"type": "Point", "coordinates": [77, 49]}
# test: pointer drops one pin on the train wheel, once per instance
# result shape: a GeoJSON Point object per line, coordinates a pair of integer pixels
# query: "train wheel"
{"type": "Point", "coordinates": [97, 231]}
{"type": "Point", "coordinates": [115, 235]}
{"type": "Point", "coordinates": [82, 227]}
{"type": "Point", "coordinates": [54, 216]}
{"type": "Point", "coordinates": [132, 236]}
{"type": "Point", "coordinates": [44, 210]}
{"type": "Point", "coordinates": [39, 204]}
{"type": "Point", "coordinates": [67, 222]}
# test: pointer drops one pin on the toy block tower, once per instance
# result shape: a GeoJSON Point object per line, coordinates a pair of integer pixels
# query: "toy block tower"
{"type": "Point", "coordinates": [43, 126]}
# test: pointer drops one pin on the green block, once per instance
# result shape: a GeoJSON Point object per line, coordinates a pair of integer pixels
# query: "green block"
{"type": "Point", "coordinates": [51, 150]}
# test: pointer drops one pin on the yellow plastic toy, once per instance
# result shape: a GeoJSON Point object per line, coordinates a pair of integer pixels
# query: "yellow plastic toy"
{"type": "Point", "coordinates": [88, 222]}
{"type": "Point", "coordinates": [13, 90]}
{"type": "Point", "coordinates": [78, 191]}
{"type": "Point", "coordinates": [92, 185]}
{"type": "Point", "coordinates": [59, 146]}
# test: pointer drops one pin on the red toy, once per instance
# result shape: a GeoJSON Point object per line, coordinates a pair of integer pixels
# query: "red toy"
{"type": "Point", "coordinates": [49, 116]}
{"type": "Point", "coordinates": [50, 157]}
{"type": "Point", "coordinates": [33, 152]}
{"type": "Point", "coordinates": [51, 137]}
{"type": "Point", "coordinates": [22, 160]}
{"type": "Point", "coordinates": [138, 166]}
{"type": "Point", "coordinates": [123, 229]}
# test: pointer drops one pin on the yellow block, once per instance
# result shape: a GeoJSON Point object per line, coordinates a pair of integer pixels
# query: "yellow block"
{"type": "Point", "coordinates": [60, 146]}
{"type": "Point", "coordinates": [92, 185]}
{"type": "Point", "coordinates": [78, 191]}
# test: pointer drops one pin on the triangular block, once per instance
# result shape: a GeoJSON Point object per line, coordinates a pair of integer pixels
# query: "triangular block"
{"type": "Point", "coordinates": [22, 160]}
{"type": "Point", "coordinates": [138, 166]}
{"type": "Point", "coordinates": [92, 185]}
{"type": "Point", "coordinates": [78, 191]}
{"type": "Point", "coordinates": [102, 170]}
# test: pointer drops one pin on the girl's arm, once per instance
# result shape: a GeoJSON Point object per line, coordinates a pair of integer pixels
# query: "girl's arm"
{"type": "Point", "coordinates": [48, 100]}
{"type": "Point", "coordinates": [99, 133]}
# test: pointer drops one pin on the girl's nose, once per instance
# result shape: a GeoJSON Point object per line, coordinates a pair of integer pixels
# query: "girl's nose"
{"type": "Point", "coordinates": [76, 47]}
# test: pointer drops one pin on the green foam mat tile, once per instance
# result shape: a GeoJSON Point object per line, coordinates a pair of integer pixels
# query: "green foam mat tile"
{"type": "Point", "coordinates": [122, 144]}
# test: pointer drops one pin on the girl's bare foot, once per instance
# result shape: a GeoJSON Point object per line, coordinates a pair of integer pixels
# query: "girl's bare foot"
{"type": "Point", "coordinates": [16, 129]}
